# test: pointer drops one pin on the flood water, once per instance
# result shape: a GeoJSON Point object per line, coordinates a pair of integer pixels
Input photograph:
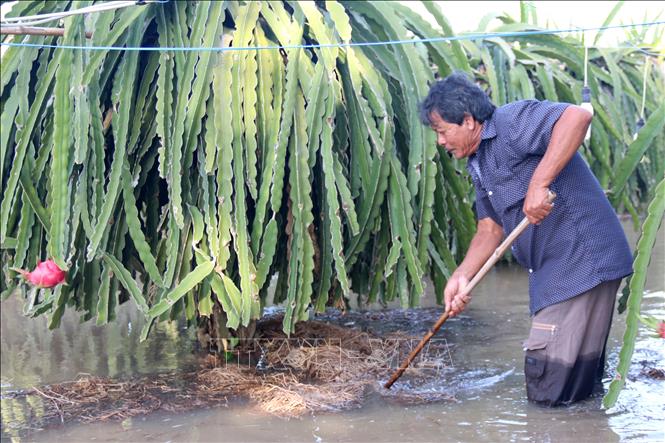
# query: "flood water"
{"type": "Point", "coordinates": [485, 378]}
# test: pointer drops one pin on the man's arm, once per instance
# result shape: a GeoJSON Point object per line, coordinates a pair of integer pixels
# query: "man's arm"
{"type": "Point", "coordinates": [488, 236]}
{"type": "Point", "coordinates": [567, 136]}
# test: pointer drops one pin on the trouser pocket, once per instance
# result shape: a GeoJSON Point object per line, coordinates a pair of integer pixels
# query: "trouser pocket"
{"type": "Point", "coordinates": [536, 359]}
{"type": "Point", "coordinates": [534, 365]}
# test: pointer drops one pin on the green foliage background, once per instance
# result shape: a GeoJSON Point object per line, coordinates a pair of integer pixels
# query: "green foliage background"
{"type": "Point", "coordinates": [186, 180]}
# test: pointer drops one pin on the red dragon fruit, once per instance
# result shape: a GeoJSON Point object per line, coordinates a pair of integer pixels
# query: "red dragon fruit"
{"type": "Point", "coordinates": [46, 274]}
{"type": "Point", "coordinates": [655, 324]}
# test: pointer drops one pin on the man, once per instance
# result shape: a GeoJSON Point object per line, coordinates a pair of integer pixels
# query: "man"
{"type": "Point", "coordinates": [575, 249]}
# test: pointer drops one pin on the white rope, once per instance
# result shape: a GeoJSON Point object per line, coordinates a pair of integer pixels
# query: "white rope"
{"type": "Point", "coordinates": [640, 122]}
{"type": "Point", "coordinates": [644, 86]}
{"type": "Point", "coordinates": [586, 91]}
{"type": "Point", "coordinates": [31, 20]}
{"type": "Point", "coordinates": [586, 62]}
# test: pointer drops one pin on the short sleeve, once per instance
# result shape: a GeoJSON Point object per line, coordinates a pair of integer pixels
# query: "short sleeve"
{"type": "Point", "coordinates": [531, 126]}
{"type": "Point", "coordinates": [483, 207]}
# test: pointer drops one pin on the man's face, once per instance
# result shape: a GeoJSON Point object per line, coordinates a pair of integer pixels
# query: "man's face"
{"type": "Point", "coordinates": [458, 140]}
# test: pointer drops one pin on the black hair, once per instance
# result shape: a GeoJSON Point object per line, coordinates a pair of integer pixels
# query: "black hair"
{"type": "Point", "coordinates": [453, 97]}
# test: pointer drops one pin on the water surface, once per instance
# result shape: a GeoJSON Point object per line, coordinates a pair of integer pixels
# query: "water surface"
{"type": "Point", "coordinates": [485, 378]}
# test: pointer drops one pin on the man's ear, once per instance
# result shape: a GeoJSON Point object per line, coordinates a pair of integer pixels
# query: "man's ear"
{"type": "Point", "coordinates": [469, 122]}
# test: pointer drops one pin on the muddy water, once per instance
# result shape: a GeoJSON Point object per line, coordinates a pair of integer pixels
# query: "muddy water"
{"type": "Point", "coordinates": [484, 377]}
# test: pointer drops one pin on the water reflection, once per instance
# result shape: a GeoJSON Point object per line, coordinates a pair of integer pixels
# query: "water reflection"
{"type": "Point", "coordinates": [486, 379]}
{"type": "Point", "coordinates": [640, 415]}
{"type": "Point", "coordinates": [32, 355]}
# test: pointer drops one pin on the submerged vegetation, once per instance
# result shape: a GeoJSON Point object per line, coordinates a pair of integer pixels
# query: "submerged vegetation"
{"type": "Point", "coordinates": [320, 367]}
{"type": "Point", "coordinates": [186, 180]}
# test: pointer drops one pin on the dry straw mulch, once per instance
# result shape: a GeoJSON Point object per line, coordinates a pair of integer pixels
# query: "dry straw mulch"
{"type": "Point", "coordinates": [322, 367]}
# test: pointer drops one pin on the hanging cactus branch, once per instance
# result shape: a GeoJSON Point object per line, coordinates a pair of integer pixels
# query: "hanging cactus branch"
{"type": "Point", "coordinates": [187, 180]}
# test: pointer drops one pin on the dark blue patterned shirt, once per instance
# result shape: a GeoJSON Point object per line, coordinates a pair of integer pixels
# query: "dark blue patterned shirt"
{"type": "Point", "coordinates": [581, 243]}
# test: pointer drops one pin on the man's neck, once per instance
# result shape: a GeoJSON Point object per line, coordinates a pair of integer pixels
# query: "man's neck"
{"type": "Point", "coordinates": [476, 137]}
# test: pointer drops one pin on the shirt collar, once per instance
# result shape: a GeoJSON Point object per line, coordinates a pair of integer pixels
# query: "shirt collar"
{"type": "Point", "coordinates": [489, 129]}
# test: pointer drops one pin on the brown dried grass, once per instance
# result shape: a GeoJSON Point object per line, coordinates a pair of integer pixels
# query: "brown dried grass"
{"type": "Point", "coordinates": [330, 369]}
{"type": "Point", "coordinates": [295, 398]}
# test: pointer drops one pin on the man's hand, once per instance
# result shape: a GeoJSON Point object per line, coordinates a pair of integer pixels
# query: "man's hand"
{"type": "Point", "coordinates": [454, 296]}
{"type": "Point", "coordinates": [536, 206]}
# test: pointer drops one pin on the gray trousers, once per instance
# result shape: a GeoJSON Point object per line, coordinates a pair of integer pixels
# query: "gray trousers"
{"type": "Point", "coordinates": [565, 351]}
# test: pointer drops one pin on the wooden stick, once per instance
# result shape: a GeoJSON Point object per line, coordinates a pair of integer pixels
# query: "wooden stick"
{"type": "Point", "coordinates": [32, 30]}
{"type": "Point", "coordinates": [498, 253]}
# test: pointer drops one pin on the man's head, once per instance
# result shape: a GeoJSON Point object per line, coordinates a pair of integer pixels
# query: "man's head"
{"type": "Point", "coordinates": [455, 109]}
